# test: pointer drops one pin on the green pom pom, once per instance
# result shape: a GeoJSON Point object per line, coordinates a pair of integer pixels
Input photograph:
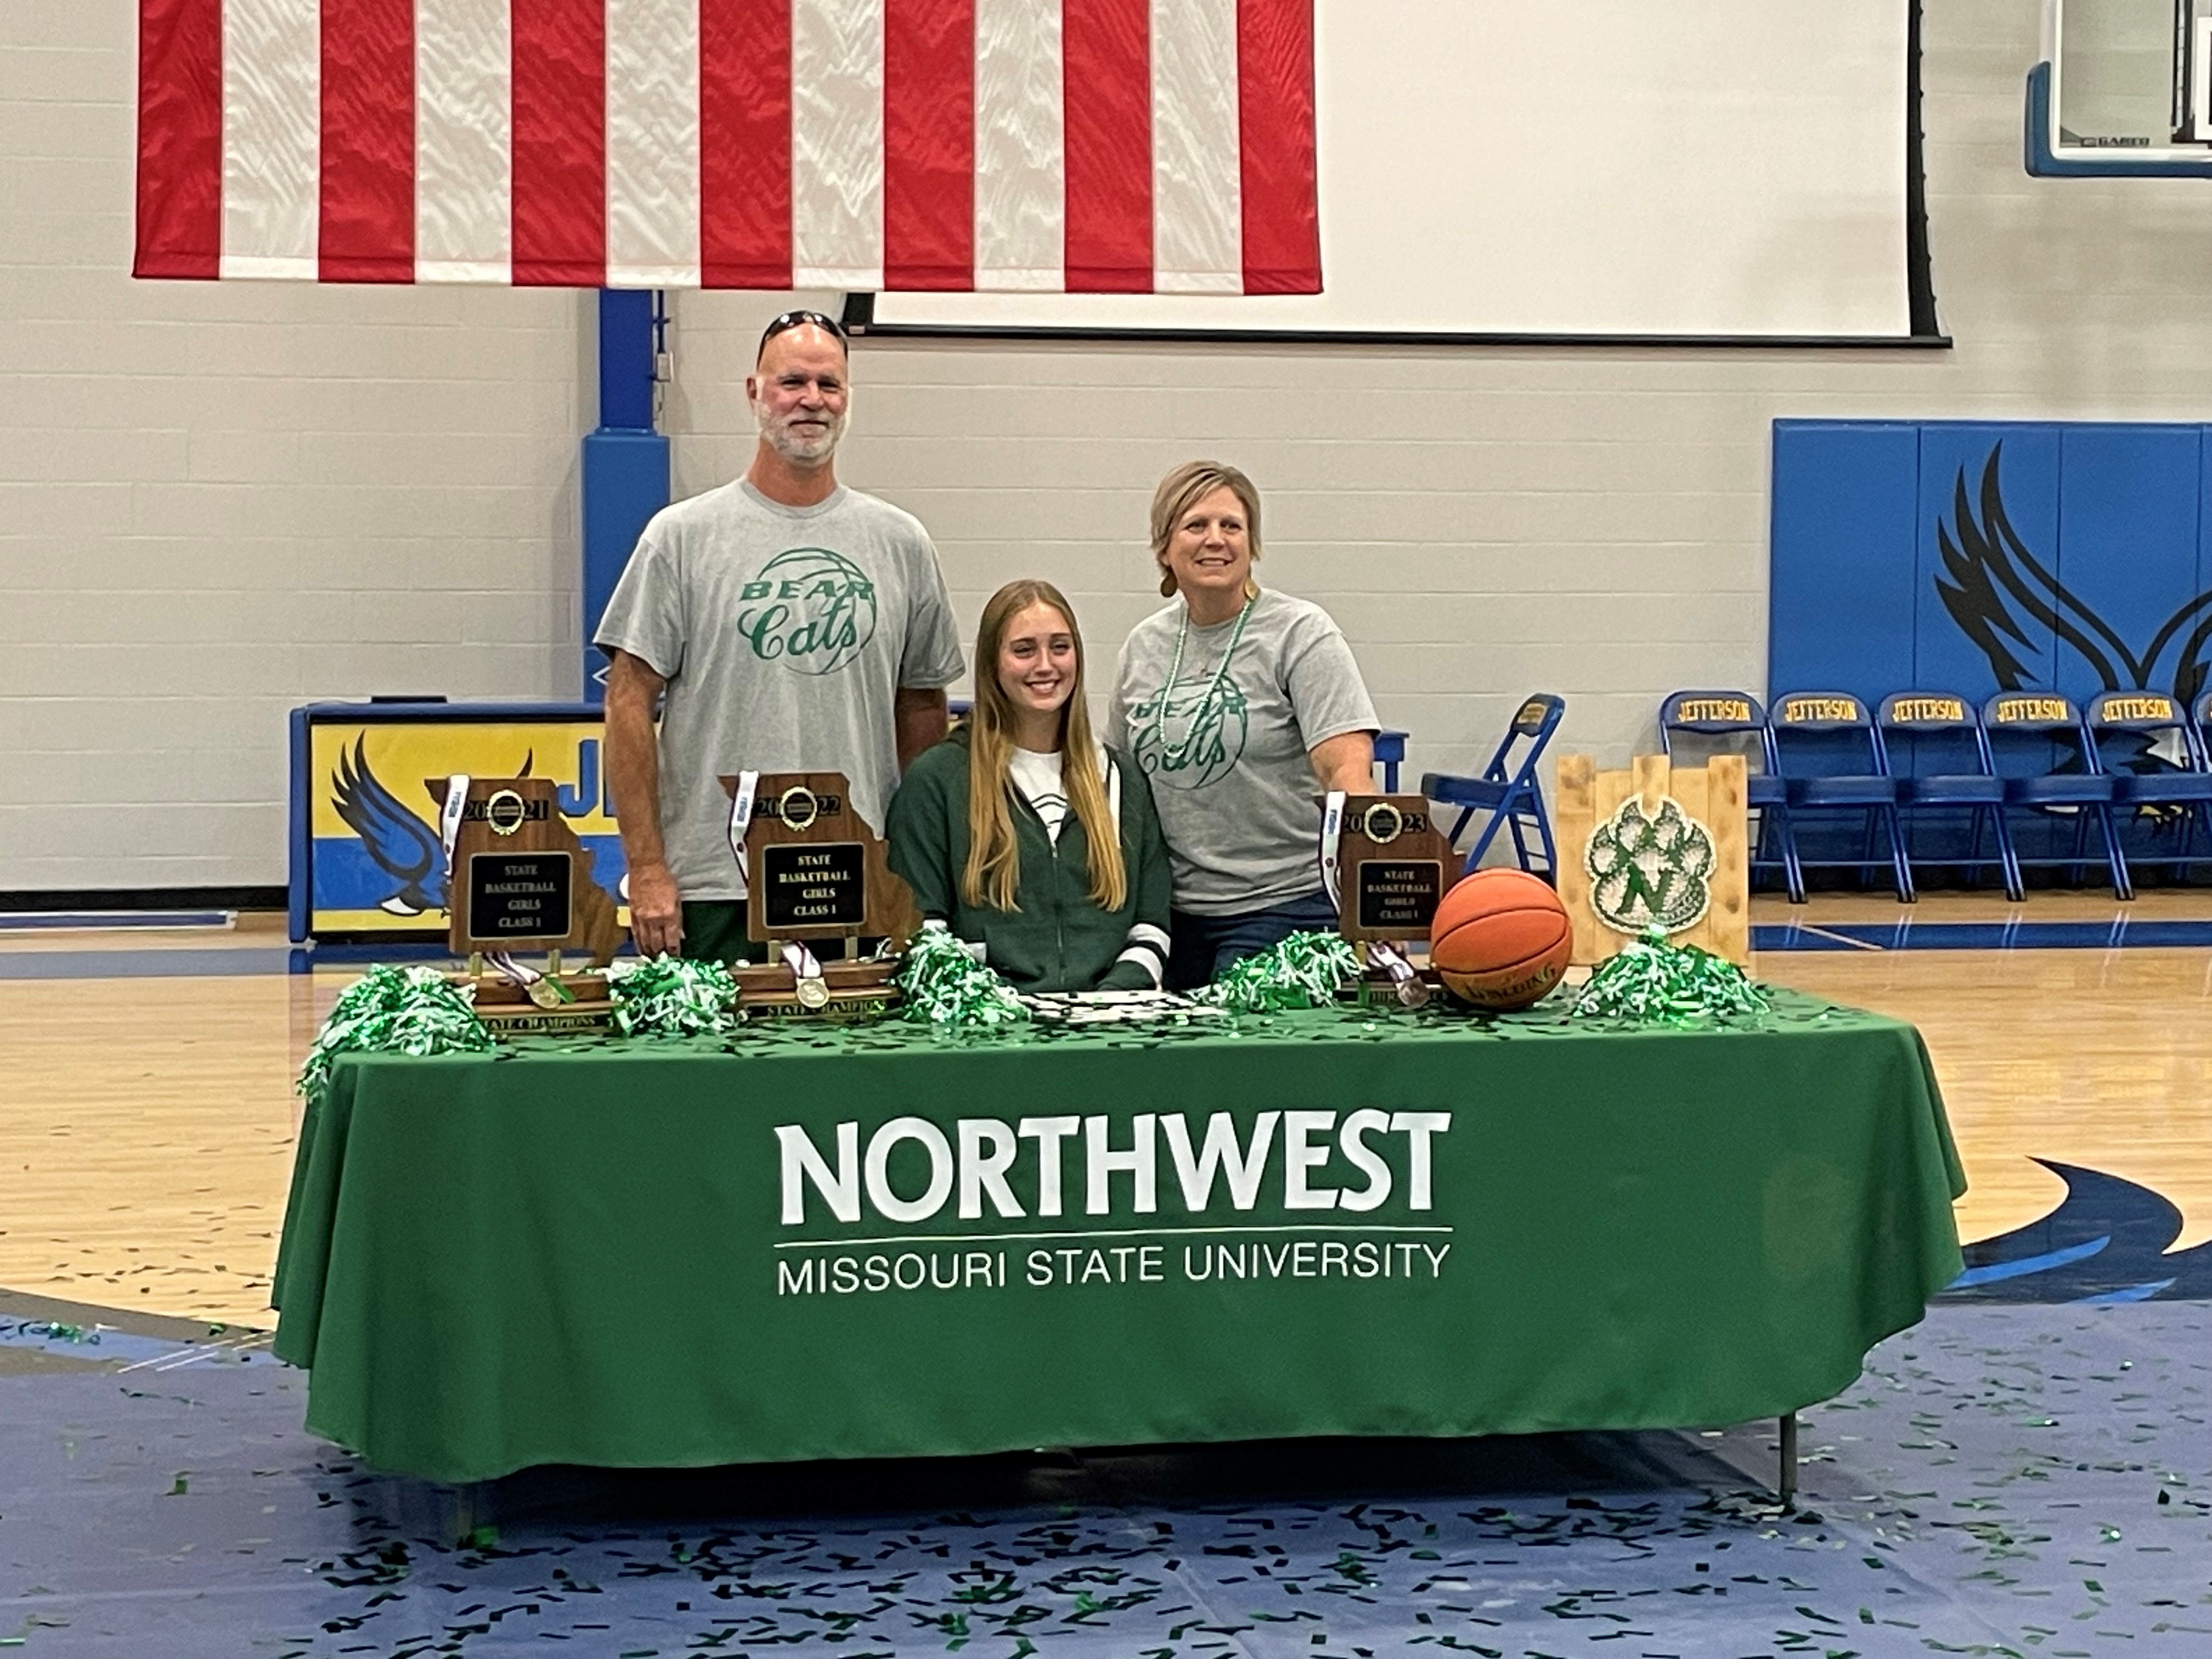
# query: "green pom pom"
{"type": "Point", "coordinates": [667, 996]}
{"type": "Point", "coordinates": [406, 1010]}
{"type": "Point", "coordinates": [942, 985]}
{"type": "Point", "coordinates": [1654, 982]}
{"type": "Point", "coordinates": [1304, 971]}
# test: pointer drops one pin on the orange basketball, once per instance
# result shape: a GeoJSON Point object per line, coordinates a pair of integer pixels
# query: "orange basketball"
{"type": "Point", "coordinates": [1500, 940]}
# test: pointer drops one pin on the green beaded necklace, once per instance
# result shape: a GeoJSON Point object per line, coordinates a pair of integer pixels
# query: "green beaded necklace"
{"type": "Point", "coordinates": [1175, 757]}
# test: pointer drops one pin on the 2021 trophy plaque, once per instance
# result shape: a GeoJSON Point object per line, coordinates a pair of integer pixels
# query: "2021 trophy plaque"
{"type": "Point", "coordinates": [1392, 868]}
{"type": "Point", "coordinates": [814, 870]}
{"type": "Point", "coordinates": [520, 881]}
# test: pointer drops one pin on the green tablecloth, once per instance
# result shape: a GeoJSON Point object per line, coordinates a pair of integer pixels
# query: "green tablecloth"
{"type": "Point", "coordinates": [587, 1252]}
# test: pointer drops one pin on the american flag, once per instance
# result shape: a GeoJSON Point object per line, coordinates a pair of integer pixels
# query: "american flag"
{"type": "Point", "coordinates": [1085, 145]}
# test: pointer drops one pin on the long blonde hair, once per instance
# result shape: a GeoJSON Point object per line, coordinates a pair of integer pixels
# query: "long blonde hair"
{"type": "Point", "coordinates": [1182, 490]}
{"type": "Point", "coordinates": [995, 857]}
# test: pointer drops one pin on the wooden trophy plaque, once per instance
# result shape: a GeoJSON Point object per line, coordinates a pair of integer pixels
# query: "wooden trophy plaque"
{"type": "Point", "coordinates": [815, 870]}
{"type": "Point", "coordinates": [1394, 867]}
{"type": "Point", "coordinates": [520, 881]}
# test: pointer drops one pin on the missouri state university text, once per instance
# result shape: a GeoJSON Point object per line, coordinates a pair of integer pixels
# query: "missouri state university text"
{"type": "Point", "coordinates": [1077, 1265]}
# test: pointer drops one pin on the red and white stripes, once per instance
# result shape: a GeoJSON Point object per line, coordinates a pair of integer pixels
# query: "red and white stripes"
{"type": "Point", "coordinates": [1079, 145]}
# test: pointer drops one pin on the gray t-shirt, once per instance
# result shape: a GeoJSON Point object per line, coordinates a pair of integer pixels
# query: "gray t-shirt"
{"type": "Point", "coordinates": [1237, 799]}
{"type": "Point", "coordinates": [785, 634]}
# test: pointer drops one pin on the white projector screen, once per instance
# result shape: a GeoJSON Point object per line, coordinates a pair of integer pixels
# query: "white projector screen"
{"type": "Point", "coordinates": [1609, 168]}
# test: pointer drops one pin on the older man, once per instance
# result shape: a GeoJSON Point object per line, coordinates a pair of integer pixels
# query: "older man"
{"type": "Point", "coordinates": [793, 625]}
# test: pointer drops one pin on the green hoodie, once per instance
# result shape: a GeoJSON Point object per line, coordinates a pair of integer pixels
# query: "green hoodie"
{"type": "Point", "coordinates": [1056, 939]}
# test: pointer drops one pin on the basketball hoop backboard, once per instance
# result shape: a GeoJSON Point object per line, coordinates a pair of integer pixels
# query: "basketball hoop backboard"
{"type": "Point", "coordinates": [2125, 89]}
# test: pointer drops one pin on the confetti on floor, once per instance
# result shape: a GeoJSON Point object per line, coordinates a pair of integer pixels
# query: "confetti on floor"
{"type": "Point", "coordinates": [2003, 1480]}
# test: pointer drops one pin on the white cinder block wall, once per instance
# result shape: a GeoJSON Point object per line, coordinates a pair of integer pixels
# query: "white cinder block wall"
{"type": "Point", "coordinates": [1485, 524]}
{"type": "Point", "coordinates": [215, 503]}
{"type": "Point", "coordinates": [219, 500]}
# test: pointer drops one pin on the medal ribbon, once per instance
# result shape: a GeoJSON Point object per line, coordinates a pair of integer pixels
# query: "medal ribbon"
{"type": "Point", "coordinates": [543, 990]}
{"type": "Point", "coordinates": [449, 821]}
{"type": "Point", "coordinates": [741, 818]}
{"type": "Point", "coordinates": [1332, 851]}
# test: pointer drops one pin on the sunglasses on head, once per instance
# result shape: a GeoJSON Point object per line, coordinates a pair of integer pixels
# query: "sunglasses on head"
{"type": "Point", "coordinates": [791, 319]}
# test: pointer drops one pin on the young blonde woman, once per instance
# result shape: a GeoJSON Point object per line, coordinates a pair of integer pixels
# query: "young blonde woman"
{"type": "Point", "coordinates": [1241, 705]}
{"type": "Point", "coordinates": [1025, 835]}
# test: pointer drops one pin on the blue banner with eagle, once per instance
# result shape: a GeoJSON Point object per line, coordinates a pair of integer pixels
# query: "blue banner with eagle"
{"type": "Point", "coordinates": [1985, 556]}
{"type": "Point", "coordinates": [367, 783]}
{"type": "Point", "coordinates": [1978, 557]}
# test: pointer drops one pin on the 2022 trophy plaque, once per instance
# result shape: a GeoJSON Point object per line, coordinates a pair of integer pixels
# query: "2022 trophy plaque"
{"type": "Point", "coordinates": [520, 881]}
{"type": "Point", "coordinates": [1393, 866]}
{"type": "Point", "coordinates": [814, 870]}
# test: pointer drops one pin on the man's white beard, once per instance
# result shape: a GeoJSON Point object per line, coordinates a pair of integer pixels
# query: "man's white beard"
{"type": "Point", "coordinates": [800, 451]}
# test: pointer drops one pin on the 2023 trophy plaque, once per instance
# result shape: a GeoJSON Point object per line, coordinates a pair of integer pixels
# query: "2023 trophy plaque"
{"type": "Point", "coordinates": [1393, 866]}
{"type": "Point", "coordinates": [814, 870]}
{"type": "Point", "coordinates": [518, 880]}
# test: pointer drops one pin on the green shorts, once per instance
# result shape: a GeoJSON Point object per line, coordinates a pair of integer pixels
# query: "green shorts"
{"type": "Point", "coordinates": [714, 931]}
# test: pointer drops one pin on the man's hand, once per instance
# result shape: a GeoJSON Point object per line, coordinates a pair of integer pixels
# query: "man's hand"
{"type": "Point", "coordinates": [656, 913]}
{"type": "Point", "coordinates": [633, 757]}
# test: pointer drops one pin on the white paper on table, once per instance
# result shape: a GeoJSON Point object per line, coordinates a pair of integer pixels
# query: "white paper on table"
{"type": "Point", "coordinates": [1112, 1007]}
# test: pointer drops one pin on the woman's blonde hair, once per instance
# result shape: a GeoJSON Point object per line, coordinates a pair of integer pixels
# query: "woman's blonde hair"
{"type": "Point", "coordinates": [995, 857]}
{"type": "Point", "coordinates": [1182, 490]}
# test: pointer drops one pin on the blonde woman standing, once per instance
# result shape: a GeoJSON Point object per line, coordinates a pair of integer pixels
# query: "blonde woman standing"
{"type": "Point", "coordinates": [1025, 835]}
{"type": "Point", "coordinates": [1241, 705]}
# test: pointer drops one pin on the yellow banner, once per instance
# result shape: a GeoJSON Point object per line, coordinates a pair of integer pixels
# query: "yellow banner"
{"type": "Point", "coordinates": [401, 756]}
{"type": "Point", "coordinates": [374, 789]}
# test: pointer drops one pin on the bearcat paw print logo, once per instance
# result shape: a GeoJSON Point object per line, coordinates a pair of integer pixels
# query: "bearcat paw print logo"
{"type": "Point", "coordinates": [1650, 872]}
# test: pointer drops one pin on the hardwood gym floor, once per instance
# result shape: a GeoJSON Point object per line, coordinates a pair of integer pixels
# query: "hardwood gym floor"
{"type": "Point", "coordinates": [146, 1135]}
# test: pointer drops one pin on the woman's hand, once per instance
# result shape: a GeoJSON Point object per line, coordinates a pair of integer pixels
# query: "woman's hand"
{"type": "Point", "coordinates": [1346, 762]}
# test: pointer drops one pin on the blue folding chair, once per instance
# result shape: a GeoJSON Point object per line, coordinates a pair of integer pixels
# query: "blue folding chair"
{"type": "Point", "coordinates": [1949, 771]}
{"type": "Point", "coordinates": [1508, 789]}
{"type": "Point", "coordinates": [2025, 730]}
{"type": "Point", "coordinates": [1389, 755]}
{"type": "Point", "coordinates": [2169, 790]}
{"type": "Point", "coordinates": [1732, 722]}
{"type": "Point", "coordinates": [1830, 754]}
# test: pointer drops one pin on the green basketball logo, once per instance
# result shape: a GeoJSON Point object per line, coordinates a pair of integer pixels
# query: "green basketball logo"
{"type": "Point", "coordinates": [810, 609]}
{"type": "Point", "coordinates": [1193, 734]}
